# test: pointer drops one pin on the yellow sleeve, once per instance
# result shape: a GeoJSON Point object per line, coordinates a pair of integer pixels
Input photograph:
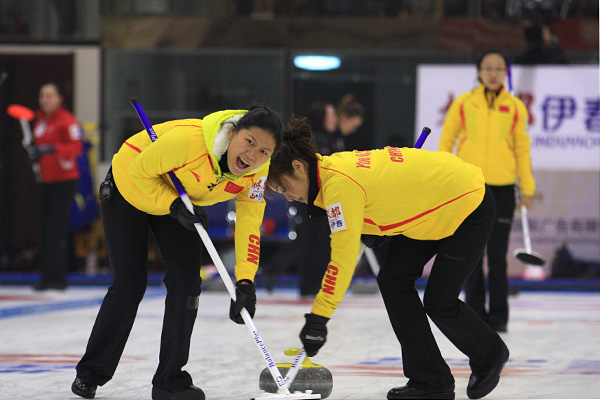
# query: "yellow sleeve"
{"type": "Point", "coordinates": [171, 150]}
{"type": "Point", "coordinates": [250, 209]}
{"type": "Point", "coordinates": [345, 212]}
{"type": "Point", "coordinates": [451, 129]}
{"type": "Point", "coordinates": [523, 153]}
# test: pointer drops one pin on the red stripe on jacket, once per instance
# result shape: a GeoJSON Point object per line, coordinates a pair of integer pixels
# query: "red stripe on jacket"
{"type": "Point", "coordinates": [398, 224]}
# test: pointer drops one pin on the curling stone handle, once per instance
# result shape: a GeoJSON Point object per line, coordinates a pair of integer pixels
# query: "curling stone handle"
{"type": "Point", "coordinates": [294, 351]}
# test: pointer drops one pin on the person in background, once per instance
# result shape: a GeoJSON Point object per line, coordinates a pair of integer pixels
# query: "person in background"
{"type": "Point", "coordinates": [350, 116]}
{"type": "Point", "coordinates": [542, 46]}
{"type": "Point", "coordinates": [488, 128]}
{"type": "Point", "coordinates": [429, 204]}
{"type": "Point", "coordinates": [57, 141]}
{"type": "Point", "coordinates": [224, 155]}
{"type": "Point", "coordinates": [323, 120]}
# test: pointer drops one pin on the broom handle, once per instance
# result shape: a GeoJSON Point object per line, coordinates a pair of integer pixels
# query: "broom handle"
{"type": "Point", "coordinates": [510, 82]}
{"type": "Point", "coordinates": [524, 219]}
{"type": "Point", "coordinates": [27, 143]}
{"type": "Point", "coordinates": [216, 259]}
{"type": "Point", "coordinates": [27, 137]}
{"type": "Point", "coordinates": [295, 368]}
{"type": "Point", "coordinates": [525, 225]}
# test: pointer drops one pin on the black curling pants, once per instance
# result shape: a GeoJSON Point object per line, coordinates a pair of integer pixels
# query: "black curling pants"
{"type": "Point", "coordinates": [126, 231]}
{"type": "Point", "coordinates": [456, 257]}
{"type": "Point", "coordinates": [497, 247]}
{"type": "Point", "coordinates": [317, 253]}
{"type": "Point", "coordinates": [56, 199]}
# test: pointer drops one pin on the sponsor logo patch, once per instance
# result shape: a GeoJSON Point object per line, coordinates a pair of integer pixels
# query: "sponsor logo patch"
{"type": "Point", "coordinates": [257, 191]}
{"type": "Point", "coordinates": [335, 215]}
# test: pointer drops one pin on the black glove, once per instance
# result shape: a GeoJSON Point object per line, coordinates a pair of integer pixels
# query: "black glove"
{"type": "Point", "coordinates": [33, 154]}
{"type": "Point", "coordinates": [45, 149]}
{"type": "Point", "coordinates": [314, 333]}
{"type": "Point", "coordinates": [245, 297]}
{"type": "Point", "coordinates": [180, 212]}
{"type": "Point", "coordinates": [372, 241]}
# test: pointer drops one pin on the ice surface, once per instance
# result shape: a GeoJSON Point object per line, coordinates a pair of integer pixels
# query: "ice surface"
{"type": "Point", "coordinates": [554, 339]}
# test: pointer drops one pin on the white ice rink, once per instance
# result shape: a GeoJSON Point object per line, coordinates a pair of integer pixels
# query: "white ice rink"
{"type": "Point", "coordinates": [554, 340]}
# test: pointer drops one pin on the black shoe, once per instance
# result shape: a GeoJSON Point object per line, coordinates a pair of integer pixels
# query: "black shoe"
{"type": "Point", "coordinates": [481, 385]}
{"type": "Point", "coordinates": [189, 393]}
{"type": "Point", "coordinates": [83, 388]}
{"type": "Point", "coordinates": [409, 392]}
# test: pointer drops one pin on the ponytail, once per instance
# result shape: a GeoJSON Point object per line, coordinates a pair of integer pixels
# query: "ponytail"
{"type": "Point", "coordinates": [296, 145]}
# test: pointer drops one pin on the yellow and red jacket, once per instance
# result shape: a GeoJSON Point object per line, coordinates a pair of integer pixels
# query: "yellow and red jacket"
{"type": "Point", "coordinates": [186, 147]}
{"type": "Point", "coordinates": [489, 131]}
{"type": "Point", "coordinates": [417, 193]}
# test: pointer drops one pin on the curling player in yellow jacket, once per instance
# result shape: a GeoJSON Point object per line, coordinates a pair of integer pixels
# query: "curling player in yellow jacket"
{"type": "Point", "coordinates": [429, 204]}
{"type": "Point", "coordinates": [222, 156]}
{"type": "Point", "coordinates": [487, 127]}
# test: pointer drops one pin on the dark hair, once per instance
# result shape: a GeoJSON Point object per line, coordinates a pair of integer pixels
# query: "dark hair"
{"type": "Point", "coordinates": [315, 115]}
{"type": "Point", "coordinates": [296, 145]}
{"type": "Point", "coordinates": [533, 34]}
{"type": "Point", "coordinates": [264, 118]}
{"type": "Point", "coordinates": [350, 107]}
{"type": "Point", "coordinates": [56, 86]}
{"type": "Point", "coordinates": [487, 53]}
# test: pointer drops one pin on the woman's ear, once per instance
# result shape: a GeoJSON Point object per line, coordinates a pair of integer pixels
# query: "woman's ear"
{"type": "Point", "coordinates": [231, 132]}
{"type": "Point", "coordinates": [299, 168]}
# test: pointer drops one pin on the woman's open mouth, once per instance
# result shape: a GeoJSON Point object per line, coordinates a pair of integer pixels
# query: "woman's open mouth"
{"type": "Point", "coordinates": [241, 164]}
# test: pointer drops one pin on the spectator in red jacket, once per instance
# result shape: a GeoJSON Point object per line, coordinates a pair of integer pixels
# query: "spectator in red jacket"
{"type": "Point", "coordinates": [57, 140]}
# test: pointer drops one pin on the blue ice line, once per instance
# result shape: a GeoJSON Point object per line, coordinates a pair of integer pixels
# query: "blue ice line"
{"type": "Point", "coordinates": [44, 308]}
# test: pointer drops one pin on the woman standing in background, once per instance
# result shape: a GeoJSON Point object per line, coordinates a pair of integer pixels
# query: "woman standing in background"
{"type": "Point", "coordinates": [57, 141]}
{"type": "Point", "coordinates": [488, 127]}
